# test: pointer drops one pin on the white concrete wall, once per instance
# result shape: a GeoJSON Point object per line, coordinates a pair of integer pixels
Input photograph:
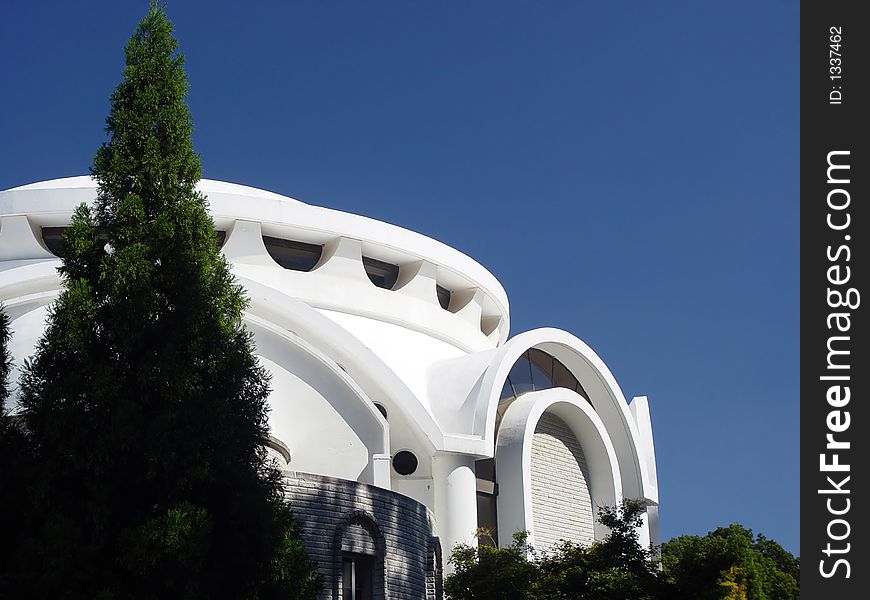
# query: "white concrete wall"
{"type": "Point", "coordinates": [320, 440]}
{"type": "Point", "coordinates": [26, 330]}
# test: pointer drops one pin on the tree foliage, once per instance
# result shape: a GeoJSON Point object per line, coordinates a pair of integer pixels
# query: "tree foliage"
{"type": "Point", "coordinates": [5, 359]}
{"type": "Point", "coordinates": [14, 469]}
{"type": "Point", "coordinates": [616, 568]}
{"type": "Point", "coordinates": [485, 572]}
{"type": "Point", "coordinates": [730, 562]}
{"type": "Point", "coordinates": [727, 564]}
{"type": "Point", "coordinates": [144, 405]}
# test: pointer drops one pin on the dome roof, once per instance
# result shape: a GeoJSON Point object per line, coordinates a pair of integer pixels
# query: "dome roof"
{"type": "Point", "coordinates": [206, 186]}
{"type": "Point", "coordinates": [476, 294]}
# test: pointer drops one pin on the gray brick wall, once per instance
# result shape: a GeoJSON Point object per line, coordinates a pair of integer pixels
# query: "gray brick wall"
{"type": "Point", "coordinates": [561, 505]}
{"type": "Point", "coordinates": [336, 514]}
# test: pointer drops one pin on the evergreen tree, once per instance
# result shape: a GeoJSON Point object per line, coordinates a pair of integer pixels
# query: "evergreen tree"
{"type": "Point", "coordinates": [14, 463]}
{"type": "Point", "coordinates": [5, 359]}
{"type": "Point", "coordinates": [144, 402]}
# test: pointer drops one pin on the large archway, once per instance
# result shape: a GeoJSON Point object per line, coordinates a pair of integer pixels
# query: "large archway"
{"type": "Point", "coordinates": [560, 423]}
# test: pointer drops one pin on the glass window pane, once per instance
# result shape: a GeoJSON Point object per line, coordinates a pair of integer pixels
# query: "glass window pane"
{"type": "Point", "coordinates": [507, 391]}
{"type": "Point", "coordinates": [357, 575]}
{"type": "Point", "coordinates": [485, 469]}
{"type": "Point", "coordinates": [562, 377]}
{"type": "Point", "coordinates": [382, 274]}
{"type": "Point", "coordinates": [542, 369]}
{"type": "Point", "coordinates": [579, 389]}
{"type": "Point", "coordinates": [346, 576]}
{"type": "Point", "coordinates": [53, 239]}
{"type": "Point", "coordinates": [487, 519]}
{"type": "Point", "coordinates": [521, 375]}
{"type": "Point", "coordinates": [443, 296]}
{"type": "Point", "coordinates": [290, 254]}
{"type": "Point", "coordinates": [363, 588]}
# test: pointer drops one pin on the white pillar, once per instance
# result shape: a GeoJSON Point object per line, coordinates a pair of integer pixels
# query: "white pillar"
{"type": "Point", "coordinates": [381, 470]}
{"type": "Point", "coordinates": [455, 502]}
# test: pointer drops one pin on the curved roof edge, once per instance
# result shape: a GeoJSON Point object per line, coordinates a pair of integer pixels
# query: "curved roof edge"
{"type": "Point", "coordinates": [231, 201]}
{"type": "Point", "coordinates": [206, 186]}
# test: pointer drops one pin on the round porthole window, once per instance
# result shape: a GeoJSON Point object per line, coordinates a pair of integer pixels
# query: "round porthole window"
{"type": "Point", "coordinates": [381, 409]}
{"type": "Point", "coordinates": [405, 462]}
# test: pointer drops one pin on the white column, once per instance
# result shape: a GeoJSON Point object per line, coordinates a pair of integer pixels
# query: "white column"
{"type": "Point", "coordinates": [245, 245]}
{"type": "Point", "coordinates": [455, 502]}
{"type": "Point", "coordinates": [381, 470]}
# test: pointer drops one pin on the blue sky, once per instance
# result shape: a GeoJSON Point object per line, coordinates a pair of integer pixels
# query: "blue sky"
{"type": "Point", "coordinates": [629, 171]}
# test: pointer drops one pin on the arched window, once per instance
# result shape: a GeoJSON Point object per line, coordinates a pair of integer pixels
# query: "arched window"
{"type": "Point", "coordinates": [361, 548]}
{"type": "Point", "coordinates": [444, 296]}
{"type": "Point", "coordinates": [293, 255]}
{"type": "Point", "coordinates": [52, 237]}
{"type": "Point", "coordinates": [382, 274]}
{"type": "Point", "coordinates": [536, 370]}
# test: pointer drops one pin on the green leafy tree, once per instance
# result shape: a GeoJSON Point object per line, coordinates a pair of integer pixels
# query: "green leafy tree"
{"type": "Point", "coordinates": [488, 573]}
{"type": "Point", "coordinates": [730, 562]}
{"type": "Point", "coordinates": [615, 568]}
{"type": "Point", "coordinates": [144, 402]}
{"type": "Point", "coordinates": [727, 564]}
{"type": "Point", "coordinates": [781, 568]}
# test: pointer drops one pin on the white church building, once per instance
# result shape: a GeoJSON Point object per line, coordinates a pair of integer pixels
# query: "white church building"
{"type": "Point", "coordinates": [405, 416]}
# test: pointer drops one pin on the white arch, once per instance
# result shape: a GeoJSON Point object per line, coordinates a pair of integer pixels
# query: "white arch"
{"type": "Point", "coordinates": [287, 356]}
{"type": "Point", "coordinates": [28, 285]}
{"type": "Point", "coordinates": [596, 379]}
{"type": "Point", "coordinates": [278, 346]}
{"type": "Point", "coordinates": [513, 457]}
{"type": "Point", "coordinates": [367, 370]}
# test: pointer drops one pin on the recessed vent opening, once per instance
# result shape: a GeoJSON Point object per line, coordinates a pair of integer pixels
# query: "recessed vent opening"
{"type": "Point", "coordinates": [381, 409]}
{"type": "Point", "coordinates": [405, 462]}
{"type": "Point", "coordinates": [382, 274]}
{"type": "Point", "coordinates": [443, 296]}
{"type": "Point", "coordinates": [52, 237]}
{"type": "Point", "coordinates": [293, 255]}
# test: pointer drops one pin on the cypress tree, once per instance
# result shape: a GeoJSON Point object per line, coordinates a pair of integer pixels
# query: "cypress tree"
{"type": "Point", "coordinates": [14, 469]}
{"type": "Point", "coordinates": [5, 358]}
{"type": "Point", "coordinates": [144, 402]}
